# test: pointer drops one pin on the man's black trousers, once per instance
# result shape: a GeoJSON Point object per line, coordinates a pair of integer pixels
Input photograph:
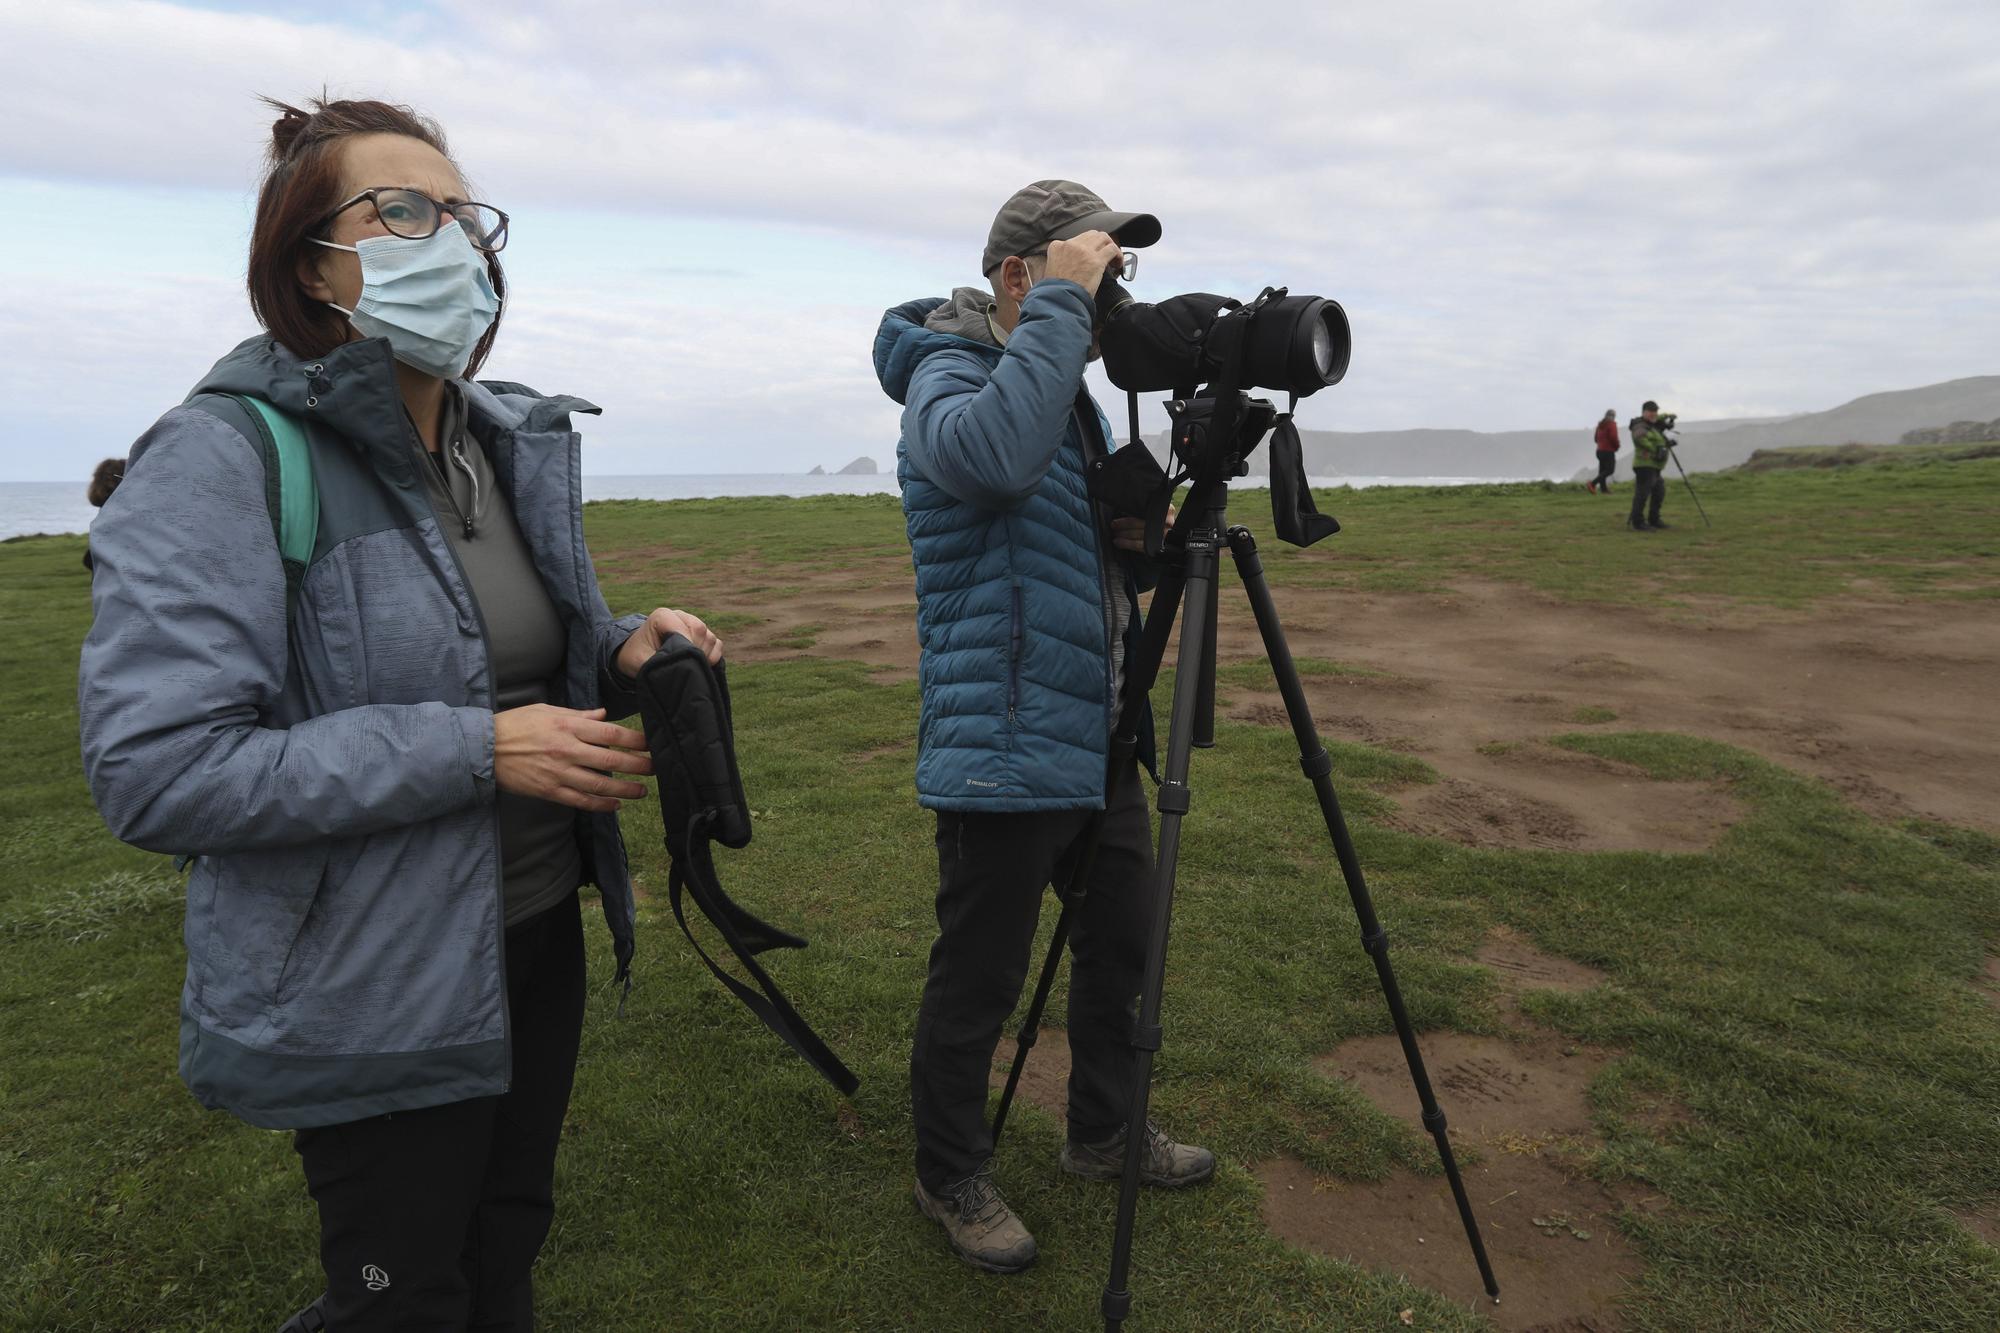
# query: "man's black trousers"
{"type": "Point", "coordinates": [993, 870]}
{"type": "Point", "coordinates": [431, 1219]}
{"type": "Point", "coordinates": [1649, 488]}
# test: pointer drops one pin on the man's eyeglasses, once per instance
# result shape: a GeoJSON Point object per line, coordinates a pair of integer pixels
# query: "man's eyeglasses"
{"type": "Point", "coordinates": [415, 216]}
{"type": "Point", "coordinates": [1128, 269]}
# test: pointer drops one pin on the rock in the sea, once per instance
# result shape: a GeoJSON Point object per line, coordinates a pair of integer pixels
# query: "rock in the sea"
{"type": "Point", "coordinates": [817, 471]}
{"type": "Point", "coordinates": [860, 467]}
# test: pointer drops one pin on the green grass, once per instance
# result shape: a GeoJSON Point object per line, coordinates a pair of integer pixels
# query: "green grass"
{"type": "Point", "coordinates": [1256, 673]}
{"type": "Point", "coordinates": [1804, 989]}
{"type": "Point", "coordinates": [1591, 713]}
{"type": "Point", "coordinates": [1780, 539]}
{"type": "Point", "coordinates": [800, 637]}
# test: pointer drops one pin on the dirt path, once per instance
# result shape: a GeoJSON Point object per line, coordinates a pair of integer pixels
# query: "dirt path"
{"type": "Point", "coordinates": [1519, 1116]}
{"type": "Point", "coordinates": [1894, 704]}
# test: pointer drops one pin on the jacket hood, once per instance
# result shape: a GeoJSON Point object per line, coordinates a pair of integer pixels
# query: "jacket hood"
{"type": "Point", "coordinates": [967, 312]}
{"type": "Point", "coordinates": [904, 339]}
{"type": "Point", "coordinates": [353, 389]}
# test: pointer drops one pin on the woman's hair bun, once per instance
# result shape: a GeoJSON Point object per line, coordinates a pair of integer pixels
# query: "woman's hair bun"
{"type": "Point", "coordinates": [285, 130]}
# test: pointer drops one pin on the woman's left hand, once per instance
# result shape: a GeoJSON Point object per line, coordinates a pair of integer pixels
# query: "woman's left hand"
{"type": "Point", "coordinates": [646, 640]}
{"type": "Point", "coordinates": [1129, 534]}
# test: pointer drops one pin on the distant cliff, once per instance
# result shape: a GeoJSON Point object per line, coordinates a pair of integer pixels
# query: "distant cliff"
{"type": "Point", "coordinates": [1958, 432]}
{"type": "Point", "coordinates": [1892, 418]}
{"type": "Point", "coordinates": [860, 467]}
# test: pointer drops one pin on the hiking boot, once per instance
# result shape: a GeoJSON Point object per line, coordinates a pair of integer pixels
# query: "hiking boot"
{"type": "Point", "coordinates": [1162, 1162]}
{"type": "Point", "coordinates": [1658, 526]}
{"type": "Point", "coordinates": [312, 1319]}
{"type": "Point", "coordinates": [981, 1227]}
{"type": "Point", "coordinates": [1638, 527]}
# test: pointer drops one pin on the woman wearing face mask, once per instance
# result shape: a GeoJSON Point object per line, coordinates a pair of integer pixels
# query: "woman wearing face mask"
{"type": "Point", "coordinates": [394, 774]}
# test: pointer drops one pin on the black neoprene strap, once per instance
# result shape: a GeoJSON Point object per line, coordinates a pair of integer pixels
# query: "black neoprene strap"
{"type": "Point", "coordinates": [747, 936]}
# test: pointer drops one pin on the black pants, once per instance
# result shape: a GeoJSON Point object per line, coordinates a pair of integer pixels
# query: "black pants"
{"type": "Point", "coordinates": [1649, 488]}
{"type": "Point", "coordinates": [992, 872]}
{"type": "Point", "coordinates": [1607, 462]}
{"type": "Point", "coordinates": [431, 1219]}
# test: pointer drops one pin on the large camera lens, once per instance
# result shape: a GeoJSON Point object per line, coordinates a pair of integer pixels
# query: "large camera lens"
{"type": "Point", "coordinates": [1297, 344]}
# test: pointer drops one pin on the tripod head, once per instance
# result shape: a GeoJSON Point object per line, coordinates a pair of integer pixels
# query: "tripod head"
{"type": "Point", "coordinates": [1205, 452]}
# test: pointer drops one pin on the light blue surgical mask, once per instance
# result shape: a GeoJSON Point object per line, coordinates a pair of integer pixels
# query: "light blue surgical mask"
{"type": "Point", "coordinates": [432, 298]}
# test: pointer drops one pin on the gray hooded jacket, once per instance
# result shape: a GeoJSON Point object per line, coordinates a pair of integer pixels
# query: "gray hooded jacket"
{"type": "Point", "coordinates": [333, 777]}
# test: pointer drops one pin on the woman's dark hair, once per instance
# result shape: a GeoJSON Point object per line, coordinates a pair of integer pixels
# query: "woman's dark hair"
{"type": "Point", "coordinates": [105, 480]}
{"type": "Point", "coordinates": [301, 186]}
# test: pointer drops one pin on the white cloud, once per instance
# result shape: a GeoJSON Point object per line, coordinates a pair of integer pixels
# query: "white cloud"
{"type": "Point", "coordinates": [1529, 210]}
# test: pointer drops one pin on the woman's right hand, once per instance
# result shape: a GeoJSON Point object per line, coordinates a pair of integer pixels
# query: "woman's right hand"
{"type": "Point", "coordinates": [555, 754]}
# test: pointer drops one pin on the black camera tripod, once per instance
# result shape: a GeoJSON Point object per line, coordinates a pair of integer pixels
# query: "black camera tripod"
{"type": "Point", "coordinates": [1189, 591]}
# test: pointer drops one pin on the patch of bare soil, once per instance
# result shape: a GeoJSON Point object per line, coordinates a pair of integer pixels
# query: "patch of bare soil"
{"type": "Point", "coordinates": [1528, 1088]}
{"type": "Point", "coordinates": [1551, 1237]}
{"type": "Point", "coordinates": [862, 612]}
{"type": "Point", "coordinates": [1476, 815]}
{"type": "Point", "coordinates": [1522, 967]}
{"type": "Point", "coordinates": [1550, 1230]}
{"type": "Point", "coordinates": [1901, 728]}
{"type": "Point", "coordinates": [1886, 701]}
{"type": "Point", "coordinates": [1983, 1223]}
{"type": "Point", "coordinates": [1045, 1078]}
{"type": "Point", "coordinates": [1525, 794]}
{"type": "Point", "coordinates": [1518, 1103]}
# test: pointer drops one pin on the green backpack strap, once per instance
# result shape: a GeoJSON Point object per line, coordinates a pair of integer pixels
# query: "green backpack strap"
{"type": "Point", "coordinates": [290, 491]}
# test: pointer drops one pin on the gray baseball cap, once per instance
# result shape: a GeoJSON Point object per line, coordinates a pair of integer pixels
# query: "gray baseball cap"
{"type": "Point", "coordinates": [1057, 211]}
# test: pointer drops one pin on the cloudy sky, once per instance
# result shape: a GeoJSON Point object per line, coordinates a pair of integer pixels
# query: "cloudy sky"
{"type": "Point", "coordinates": [1532, 211]}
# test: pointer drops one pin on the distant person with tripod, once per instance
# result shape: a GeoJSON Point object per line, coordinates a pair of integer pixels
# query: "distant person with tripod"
{"type": "Point", "coordinates": [1607, 452]}
{"type": "Point", "coordinates": [1027, 613]}
{"type": "Point", "coordinates": [1650, 446]}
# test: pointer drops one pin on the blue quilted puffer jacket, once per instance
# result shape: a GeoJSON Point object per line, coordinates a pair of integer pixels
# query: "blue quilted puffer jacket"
{"type": "Point", "coordinates": [1011, 608]}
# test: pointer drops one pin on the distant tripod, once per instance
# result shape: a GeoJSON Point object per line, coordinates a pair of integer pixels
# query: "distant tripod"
{"type": "Point", "coordinates": [1189, 592]}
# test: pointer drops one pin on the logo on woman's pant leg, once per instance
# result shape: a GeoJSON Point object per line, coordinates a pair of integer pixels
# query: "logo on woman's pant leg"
{"type": "Point", "coordinates": [374, 1278]}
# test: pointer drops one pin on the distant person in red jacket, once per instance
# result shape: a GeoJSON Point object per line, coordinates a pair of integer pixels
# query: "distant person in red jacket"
{"type": "Point", "coordinates": [1607, 452]}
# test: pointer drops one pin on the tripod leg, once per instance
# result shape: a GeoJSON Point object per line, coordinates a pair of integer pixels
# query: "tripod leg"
{"type": "Point", "coordinates": [1688, 482]}
{"type": "Point", "coordinates": [1318, 766]}
{"type": "Point", "coordinates": [1204, 704]}
{"type": "Point", "coordinates": [1031, 1023]}
{"type": "Point", "coordinates": [1196, 629]}
{"type": "Point", "coordinates": [1071, 895]}
{"type": "Point", "coordinates": [1139, 677]}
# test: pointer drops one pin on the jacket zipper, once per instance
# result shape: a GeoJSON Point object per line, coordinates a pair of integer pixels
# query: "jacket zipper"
{"type": "Point", "coordinates": [458, 457]}
{"type": "Point", "coordinates": [1105, 592]}
{"type": "Point", "coordinates": [486, 648]}
{"type": "Point", "coordinates": [1017, 632]}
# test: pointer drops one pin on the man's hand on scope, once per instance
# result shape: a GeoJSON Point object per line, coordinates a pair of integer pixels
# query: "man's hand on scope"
{"type": "Point", "coordinates": [1085, 259]}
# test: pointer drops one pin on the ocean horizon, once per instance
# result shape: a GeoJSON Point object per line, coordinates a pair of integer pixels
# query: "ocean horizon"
{"type": "Point", "coordinates": [50, 508]}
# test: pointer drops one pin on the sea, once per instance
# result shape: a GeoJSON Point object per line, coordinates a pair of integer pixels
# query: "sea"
{"type": "Point", "coordinates": [31, 507]}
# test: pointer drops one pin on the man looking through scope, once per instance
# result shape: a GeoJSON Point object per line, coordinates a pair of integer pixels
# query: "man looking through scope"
{"type": "Point", "coordinates": [1027, 597]}
{"type": "Point", "coordinates": [1649, 462]}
